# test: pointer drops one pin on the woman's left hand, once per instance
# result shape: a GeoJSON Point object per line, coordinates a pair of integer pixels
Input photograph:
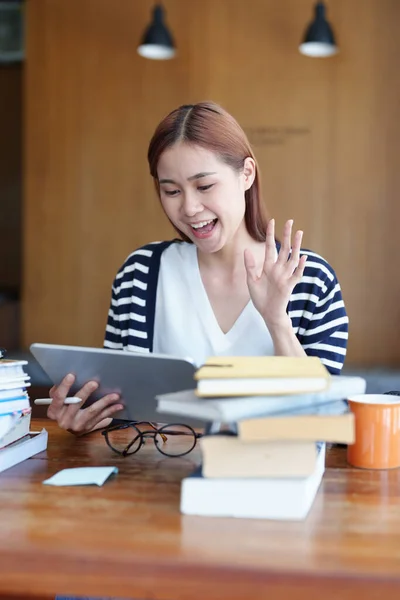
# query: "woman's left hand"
{"type": "Point", "coordinates": [270, 291]}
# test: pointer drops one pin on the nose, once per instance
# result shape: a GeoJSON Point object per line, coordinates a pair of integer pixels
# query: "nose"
{"type": "Point", "coordinates": [191, 205]}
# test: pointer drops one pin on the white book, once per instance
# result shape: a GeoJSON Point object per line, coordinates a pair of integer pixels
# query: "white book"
{"type": "Point", "coordinates": [259, 498]}
{"type": "Point", "coordinates": [15, 384]}
{"type": "Point", "coordinates": [13, 394]}
{"type": "Point", "coordinates": [226, 410]}
{"type": "Point", "coordinates": [23, 449]}
{"type": "Point", "coordinates": [10, 406]}
{"type": "Point", "coordinates": [19, 428]}
{"type": "Point", "coordinates": [7, 424]}
{"type": "Point", "coordinates": [10, 369]}
{"type": "Point", "coordinates": [14, 379]}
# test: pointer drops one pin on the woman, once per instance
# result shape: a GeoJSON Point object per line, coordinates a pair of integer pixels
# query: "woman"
{"type": "Point", "coordinates": [226, 287]}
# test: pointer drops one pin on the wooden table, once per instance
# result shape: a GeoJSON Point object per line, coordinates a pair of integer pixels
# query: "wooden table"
{"type": "Point", "coordinates": [127, 539]}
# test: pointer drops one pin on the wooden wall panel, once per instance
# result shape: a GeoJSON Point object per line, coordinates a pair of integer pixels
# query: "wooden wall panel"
{"type": "Point", "coordinates": [363, 207]}
{"type": "Point", "coordinates": [325, 133]}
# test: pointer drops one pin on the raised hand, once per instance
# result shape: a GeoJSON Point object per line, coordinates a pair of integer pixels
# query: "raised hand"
{"type": "Point", "coordinates": [270, 290]}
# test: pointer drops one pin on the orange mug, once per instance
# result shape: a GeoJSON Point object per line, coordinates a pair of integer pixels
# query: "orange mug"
{"type": "Point", "coordinates": [377, 431]}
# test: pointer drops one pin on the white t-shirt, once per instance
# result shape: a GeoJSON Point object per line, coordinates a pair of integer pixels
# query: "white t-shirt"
{"type": "Point", "coordinates": [185, 324]}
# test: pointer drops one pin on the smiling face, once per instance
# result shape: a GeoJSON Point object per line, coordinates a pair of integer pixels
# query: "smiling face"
{"type": "Point", "coordinates": [202, 196]}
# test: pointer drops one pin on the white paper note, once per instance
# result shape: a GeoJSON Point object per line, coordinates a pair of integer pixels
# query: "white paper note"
{"type": "Point", "coordinates": [81, 476]}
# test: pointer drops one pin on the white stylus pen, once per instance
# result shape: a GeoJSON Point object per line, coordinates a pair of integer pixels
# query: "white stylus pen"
{"type": "Point", "coordinates": [45, 401]}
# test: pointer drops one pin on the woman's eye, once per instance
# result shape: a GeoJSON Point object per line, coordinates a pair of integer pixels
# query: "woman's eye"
{"type": "Point", "coordinates": [204, 188]}
{"type": "Point", "coordinates": [171, 192]}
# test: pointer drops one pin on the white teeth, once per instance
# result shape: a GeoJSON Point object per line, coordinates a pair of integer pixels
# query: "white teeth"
{"type": "Point", "coordinates": [202, 224]}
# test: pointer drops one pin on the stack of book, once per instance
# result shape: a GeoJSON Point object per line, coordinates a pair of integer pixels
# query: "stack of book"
{"type": "Point", "coordinates": [231, 389]}
{"type": "Point", "coordinates": [285, 410]}
{"type": "Point", "coordinates": [272, 469]}
{"type": "Point", "coordinates": [16, 441]}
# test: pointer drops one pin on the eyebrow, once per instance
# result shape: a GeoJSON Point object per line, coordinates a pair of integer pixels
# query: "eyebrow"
{"type": "Point", "coordinates": [191, 178]}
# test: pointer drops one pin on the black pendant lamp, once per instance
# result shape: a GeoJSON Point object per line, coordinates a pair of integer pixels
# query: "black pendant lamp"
{"type": "Point", "coordinates": [319, 40]}
{"type": "Point", "coordinates": [157, 42]}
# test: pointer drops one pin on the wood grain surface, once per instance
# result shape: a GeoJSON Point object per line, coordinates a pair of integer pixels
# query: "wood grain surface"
{"type": "Point", "coordinates": [128, 539]}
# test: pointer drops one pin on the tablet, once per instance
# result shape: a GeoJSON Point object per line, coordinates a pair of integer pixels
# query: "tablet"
{"type": "Point", "coordinates": [137, 377]}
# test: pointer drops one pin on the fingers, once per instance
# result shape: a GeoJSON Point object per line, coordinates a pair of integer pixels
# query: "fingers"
{"type": "Point", "coordinates": [286, 243]}
{"type": "Point", "coordinates": [250, 265]}
{"type": "Point", "coordinates": [85, 420]}
{"type": "Point", "coordinates": [289, 254]}
{"type": "Point", "coordinates": [93, 411]}
{"type": "Point", "coordinates": [83, 394]}
{"type": "Point", "coordinates": [105, 414]}
{"type": "Point", "coordinates": [58, 393]}
{"type": "Point", "coordinates": [270, 244]}
{"type": "Point", "coordinates": [72, 417]}
{"type": "Point", "coordinates": [294, 259]}
{"type": "Point", "coordinates": [298, 273]}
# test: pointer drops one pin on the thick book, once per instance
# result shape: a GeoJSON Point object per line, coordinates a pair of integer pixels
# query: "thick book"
{"type": "Point", "coordinates": [24, 448]}
{"type": "Point", "coordinates": [276, 498]}
{"type": "Point", "coordinates": [7, 422]}
{"type": "Point", "coordinates": [227, 456]}
{"type": "Point", "coordinates": [13, 388]}
{"type": "Point", "coordinates": [13, 379]}
{"type": "Point", "coordinates": [19, 429]}
{"type": "Point", "coordinates": [12, 369]}
{"type": "Point", "coordinates": [11, 384]}
{"type": "Point", "coordinates": [14, 393]}
{"type": "Point", "coordinates": [338, 429]}
{"type": "Point", "coordinates": [263, 375]}
{"type": "Point", "coordinates": [227, 410]}
{"type": "Point", "coordinates": [15, 404]}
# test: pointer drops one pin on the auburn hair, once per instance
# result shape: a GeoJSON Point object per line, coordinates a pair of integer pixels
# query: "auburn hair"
{"type": "Point", "coordinates": [208, 125]}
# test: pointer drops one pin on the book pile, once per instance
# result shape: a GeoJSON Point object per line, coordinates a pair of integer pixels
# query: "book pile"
{"type": "Point", "coordinates": [272, 469]}
{"type": "Point", "coordinates": [16, 441]}
{"type": "Point", "coordinates": [303, 386]}
{"type": "Point", "coordinates": [285, 410]}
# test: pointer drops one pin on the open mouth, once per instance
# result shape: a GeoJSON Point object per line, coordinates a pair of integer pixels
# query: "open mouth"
{"type": "Point", "coordinates": [204, 227]}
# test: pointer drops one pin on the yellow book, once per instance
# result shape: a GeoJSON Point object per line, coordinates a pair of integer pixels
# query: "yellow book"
{"type": "Point", "coordinates": [338, 429]}
{"type": "Point", "coordinates": [261, 375]}
{"type": "Point", "coordinates": [227, 457]}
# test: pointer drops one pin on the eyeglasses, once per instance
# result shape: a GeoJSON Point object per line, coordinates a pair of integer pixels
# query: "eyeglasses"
{"type": "Point", "coordinates": [174, 439]}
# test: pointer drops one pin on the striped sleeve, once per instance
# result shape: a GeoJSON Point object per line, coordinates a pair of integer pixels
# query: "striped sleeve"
{"type": "Point", "coordinates": [318, 314]}
{"type": "Point", "coordinates": [126, 327]}
{"type": "Point", "coordinates": [113, 337]}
